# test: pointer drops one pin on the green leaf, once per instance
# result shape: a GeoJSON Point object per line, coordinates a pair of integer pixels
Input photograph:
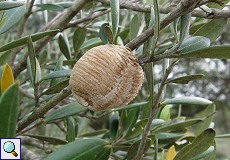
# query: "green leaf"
{"type": "Point", "coordinates": [13, 16]}
{"type": "Point", "coordinates": [92, 43]}
{"type": "Point", "coordinates": [194, 43]}
{"type": "Point", "coordinates": [51, 140]}
{"type": "Point", "coordinates": [204, 154]}
{"type": "Point", "coordinates": [165, 113]}
{"type": "Point", "coordinates": [185, 24]}
{"type": "Point", "coordinates": [58, 74]}
{"type": "Point", "coordinates": [70, 126]}
{"type": "Point", "coordinates": [217, 52]}
{"type": "Point", "coordinates": [64, 46]}
{"type": "Point", "coordinates": [187, 100]}
{"type": "Point", "coordinates": [22, 41]}
{"type": "Point", "coordinates": [207, 116]}
{"type": "Point", "coordinates": [9, 107]}
{"type": "Point", "coordinates": [64, 4]}
{"type": "Point", "coordinates": [50, 7]}
{"type": "Point", "coordinates": [130, 118]}
{"type": "Point", "coordinates": [134, 27]}
{"type": "Point", "coordinates": [4, 57]}
{"type": "Point", "coordinates": [212, 29]}
{"type": "Point", "coordinates": [113, 124]}
{"type": "Point", "coordinates": [81, 149]}
{"type": "Point", "coordinates": [134, 147]}
{"type": "Point", "coordinates": [78, 38]}
{"type": "Point", "coordinates": [115, 13]}
{"type": "Point", "coordinates": [137, 129]}
{"type": "Point", "coordinates": [94, 133]}
{"type": "Point", "coordinates": [163, 136]}
{"type": "Point", "coordinates": [156, 23]}
{"type": "Point", "coordinates": [8, 5]}
{"type": "Point", "coordinates": [58, 67]}
{"type": "Point", "coordinates": [185, 79]}
{"type": "Point", "coordinates": [178, 126]}
{"type": "Point", "coordinates": [37, 77]}
{"type": "Point", "coordinates": [131, 106]}
{"type": "Point", "coordinates": [102, 33]}
{"type": "Point", "coordinates": [56, 88]}
{"type": "Point", "coordinates": [199, 145]}
{"type": "Point", "coordinates": [33, 64]}
{"type": "Point", "coordinates": [65, 111]}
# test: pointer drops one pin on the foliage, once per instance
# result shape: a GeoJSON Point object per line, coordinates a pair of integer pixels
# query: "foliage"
{"type": "Point", "coordinates": [40, 44]}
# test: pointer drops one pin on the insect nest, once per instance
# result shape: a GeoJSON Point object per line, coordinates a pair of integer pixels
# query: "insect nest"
{"type": "Point", "coordinates": [106, 77]}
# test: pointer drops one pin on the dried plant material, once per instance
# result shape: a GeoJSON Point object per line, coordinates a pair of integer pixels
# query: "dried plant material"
{"type": "Point", "coordinates": [106, 77]}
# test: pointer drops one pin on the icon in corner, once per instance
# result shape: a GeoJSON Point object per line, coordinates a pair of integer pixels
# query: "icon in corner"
{"type": "Point", "coordinates": [10, 148]}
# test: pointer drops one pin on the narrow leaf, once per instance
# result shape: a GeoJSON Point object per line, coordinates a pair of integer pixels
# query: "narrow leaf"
{"type": "Point", "coordinates": [32, 61]}
{"type": "Point", "coordinates": [134, 147]}
{"type": "Point", "coordinates": [113, 124]}
{"type": "Point", "coordinates": [115, 12]}
{"type": "Point", "coordinates": [50, 7]}
{"type": "Point", "coordinates": [102, 33]}
{"type": "Point", "coordinates": [7, 78]}
{"type": "Point", "coordinates": [134, 27]}
{"type": "Point", "coordinates": [178, 126]}
{"type": "Point", "coordinates": [64, 46]}
{"type": "Point", "coordinates": [51, 140]}
{"type": "Point", "coordinates": [204, 154]}
{"type": "Point", "coordinates": [22, 41]}
{"type": "Point", "coordinates": [58, 67]}
{"type": "Point", "coordinates": [4, 57]}
{"type": "Point", "coordinates": [187, 100]}
{"type": "Point", "coordinates": [198, 146]}
{"type": "Point", "coordinates": [78, 38]}
{"type": "Point", "coordinates": [171, 153]}
{"type": "Point", "coordinates": [212, 29]}
{"type": "Point", "coordinates": [185, 79]}
{"type": "Point", "coordinates": [217, 52]}
{"type": "Point", "coordinates": [80, 149]}
{"type": "Point", "coordinates": [131, 106]}
{"type": "Point", "coordinates": [70, 134]}
{"type": "Point", "coordinates": [194, 43]}
{"type": "Point", "coordinates": [9, 107]}
{"type": "Point", "coordinates": [8, 5]}
{"type": "Point", "coordinates": [56, 88]}
{"type": "Point", "coordinates": [13, 16]}
{"type": "Point", "coordinates": [65, 111]}
{"type": "Point", "coordinates": [57, 74]}
{"type": "Point", "coordinates": [185, 24]}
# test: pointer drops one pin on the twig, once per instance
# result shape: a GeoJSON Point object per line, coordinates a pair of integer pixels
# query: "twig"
{"type": "Point", "coordinates": [59, 22]}
{"type": "Point", "coordinates": [183, 8]}
{"type": "Point", "coordinates": [153, 112]}
{"type": "Point", "coordinates": [216, 13]}
{"type": "Point", "coordinates": [43, 109]}
{"type": "Point", "coordinates": [88, 18]}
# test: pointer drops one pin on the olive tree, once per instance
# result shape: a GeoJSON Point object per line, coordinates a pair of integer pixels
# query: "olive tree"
{"type": "Point", "coordinates": [41, 42]}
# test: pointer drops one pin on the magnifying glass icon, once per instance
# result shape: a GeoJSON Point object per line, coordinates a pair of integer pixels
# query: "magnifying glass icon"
{"type": "Point", "coordinates": [9, 147]}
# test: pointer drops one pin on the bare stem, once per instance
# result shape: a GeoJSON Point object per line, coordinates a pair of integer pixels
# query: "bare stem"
{"type": "Point", "coordinates": [43, 109]}
{"type": "Point", "coordinates": [153, 112]}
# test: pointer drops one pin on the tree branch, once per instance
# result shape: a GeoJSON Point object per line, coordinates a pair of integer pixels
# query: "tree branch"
{"type": "Point", "coordinates": [184, 7]}
{"type": "Point", "coordinates": [153, 112]}
{"type": "Point", "coordinates": [43, 109]}
{"type": "Point", "coordinates": [59, 22]}
{"type": "Point", "coordinates": [216, 13]}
